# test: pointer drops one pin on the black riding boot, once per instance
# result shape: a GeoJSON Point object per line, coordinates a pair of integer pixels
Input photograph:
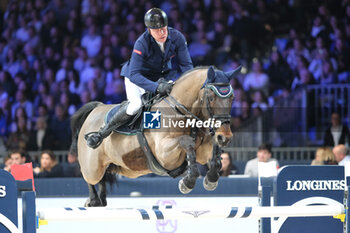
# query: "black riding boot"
{"type": "Point", "coordinates": [94, 139]}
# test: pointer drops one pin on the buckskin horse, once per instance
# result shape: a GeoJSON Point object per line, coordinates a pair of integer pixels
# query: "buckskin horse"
{"type": "Point", "coordinates": [200, 97]}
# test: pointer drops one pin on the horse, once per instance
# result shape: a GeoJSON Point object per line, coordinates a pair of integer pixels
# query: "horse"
{"type": "Point", "coordinates": [202, 95]}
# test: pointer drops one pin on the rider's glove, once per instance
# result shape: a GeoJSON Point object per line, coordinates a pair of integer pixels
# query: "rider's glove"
{"type": "Point", "coordinates": [164, 87]}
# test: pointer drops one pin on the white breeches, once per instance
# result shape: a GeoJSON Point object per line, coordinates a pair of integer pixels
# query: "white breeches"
{"type": "Point", "coordinates": [133, 93]}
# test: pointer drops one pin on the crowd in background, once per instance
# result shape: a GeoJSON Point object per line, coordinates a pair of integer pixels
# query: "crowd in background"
{"type": "Point", "coordinates": [57, 55]}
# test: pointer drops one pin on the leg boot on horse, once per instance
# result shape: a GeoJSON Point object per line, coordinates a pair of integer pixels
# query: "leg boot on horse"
{"type": "Point", "coordinates": [187, 183]}
{"type": "Point", "coordinates": [94, 139]}
{"type": "Point", "coordinates": [210, 181]}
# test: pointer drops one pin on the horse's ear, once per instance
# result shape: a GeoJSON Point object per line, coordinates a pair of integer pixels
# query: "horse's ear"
{"type": "Point", "coordinates": [232, 73]}
{"type": "Point", "coordinates": [211, 75]}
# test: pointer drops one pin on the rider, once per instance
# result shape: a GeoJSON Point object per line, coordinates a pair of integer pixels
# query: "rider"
{"type": "Point", "coordinates": [149, 63]}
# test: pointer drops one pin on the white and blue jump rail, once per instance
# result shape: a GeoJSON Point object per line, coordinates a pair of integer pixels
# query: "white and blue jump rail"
{"type": "Point", "coordinates": [300, 192]}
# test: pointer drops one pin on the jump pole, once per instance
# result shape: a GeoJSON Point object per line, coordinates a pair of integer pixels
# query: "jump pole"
{"type": "Point", "coordinates": [108, 214]}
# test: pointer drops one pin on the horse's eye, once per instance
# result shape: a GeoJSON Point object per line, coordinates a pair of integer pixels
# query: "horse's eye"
{"type": "Point", "coordinates": [211, 98]}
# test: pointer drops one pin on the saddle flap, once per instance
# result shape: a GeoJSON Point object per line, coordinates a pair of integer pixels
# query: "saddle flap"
{"type": "Point", "coordinates": [131, 127]}
{"type": "Point", "coordinates": [135, 124]}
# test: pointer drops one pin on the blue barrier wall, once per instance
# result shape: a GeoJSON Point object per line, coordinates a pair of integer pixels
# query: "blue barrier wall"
{"type": "Point", "coordinates": [310, 184]}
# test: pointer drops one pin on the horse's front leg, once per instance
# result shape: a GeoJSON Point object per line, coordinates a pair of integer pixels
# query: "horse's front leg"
{"type": "Point", "coordinates": [187, 183]}
{"type": "Point", "coordinates": [211, 180]}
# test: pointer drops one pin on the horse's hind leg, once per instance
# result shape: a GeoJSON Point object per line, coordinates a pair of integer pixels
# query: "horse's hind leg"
{"type": "Point", "coordinates": [102, 191]}
{"type": "Point", "coordinates": [210, 181]}
{"type": "Point", "coordinates": [187, 183]}
{"type": "Point", "coordinates": [97, 198]}
{"type": "Point", "coordinates": [94, 199]}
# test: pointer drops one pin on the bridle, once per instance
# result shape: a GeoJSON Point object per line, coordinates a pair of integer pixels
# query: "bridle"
{"type": "Point", "coordinates": [228, 92]}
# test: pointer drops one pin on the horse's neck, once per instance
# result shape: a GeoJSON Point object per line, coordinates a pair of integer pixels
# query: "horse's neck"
{"type": "Point", "coordinates": [187, 89]}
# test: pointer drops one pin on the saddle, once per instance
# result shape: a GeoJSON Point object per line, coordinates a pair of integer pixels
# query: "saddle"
{"type": "Point", "coordinates": [135, 127]}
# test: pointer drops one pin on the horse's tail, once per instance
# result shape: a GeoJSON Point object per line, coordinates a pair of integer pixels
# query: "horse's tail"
{"type": "Point", "coordinates": [76, 122]}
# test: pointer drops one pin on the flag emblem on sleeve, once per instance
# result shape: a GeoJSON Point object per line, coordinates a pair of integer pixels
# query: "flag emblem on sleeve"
{"type": "Point", "coordinates": [137, 51]}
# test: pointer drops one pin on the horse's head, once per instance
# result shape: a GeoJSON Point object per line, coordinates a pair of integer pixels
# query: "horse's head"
{"type": "Point", "coordinates": [216, 100]}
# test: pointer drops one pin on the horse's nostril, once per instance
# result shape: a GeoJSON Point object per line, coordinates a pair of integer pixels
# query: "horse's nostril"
{"type": "Point", "coordinates": [220, 138]}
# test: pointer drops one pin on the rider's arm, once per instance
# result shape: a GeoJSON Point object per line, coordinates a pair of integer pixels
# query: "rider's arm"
{"type": "Point", "coordinates": [136, 62]}
{"type": "Point", "coordinates": [183, 55]}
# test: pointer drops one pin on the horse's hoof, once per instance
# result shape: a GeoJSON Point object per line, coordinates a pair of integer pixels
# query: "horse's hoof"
{"type": "Point", "coordinates": [104, 202]}
{"type": "Point", "coordinates": [210, 186]}
{"type": "Point", "coordinates": [93, 203]}
{"type": "Point", "coordinates": [87, 203]}
{"type": "Point", "coordinates": [183, 188]}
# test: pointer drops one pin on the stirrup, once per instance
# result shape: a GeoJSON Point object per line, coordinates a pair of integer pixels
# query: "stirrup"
{"type": "Point", "coordinates": [97, 144]}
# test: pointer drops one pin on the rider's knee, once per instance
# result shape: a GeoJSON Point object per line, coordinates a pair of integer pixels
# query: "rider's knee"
{"type": "Point", "coordinates": [133, 106]}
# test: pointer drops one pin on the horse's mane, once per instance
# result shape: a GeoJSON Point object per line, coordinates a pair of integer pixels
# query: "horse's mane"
{"type": "Point", "coordinates": [184, 75]}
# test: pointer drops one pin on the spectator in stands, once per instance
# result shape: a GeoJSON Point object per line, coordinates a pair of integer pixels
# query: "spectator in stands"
{"type": "Point", "coordinates": [338, 133]}
{"type": "Point", "coordinates": [256, 79]}
{"type": "Point", "coordinates": [236, 123]}
{"type": "Point", "coordinates": [259, 101]}
{"type": "Point", "coordinates": [72, 168]}
{"type": "Point", "coordinates": [7, 83]}
{"type": "Point", "coordinates": [19, 114]}
{"type": "Point", "coordinates": [50, 104]}
{"type": "Point", "coordinates": [19, 157]}
{"type": "Point", "coordinates": [118, 95]}
{"type": "Point", "coordinates": [246, 110]}
{"type": "Point", "coordinates": [303, 78]}
{"type": "Point", "coordinates": [74, 81]}
{"type": "Point", "coordinates": [49, 167]}
{"type": "Point", "coordinates": [63, 70]}
{"type": "Point", "coordinates": [263, 155]}
{"type": "Point", "coordinates": [279, 72]}
{"type": "Point", "coordinates": [3, 49]}
{"type": "Point", "coordinates": [20, 137]}
{"type": "Point", "coordinates": [199, 49]}
{"type": "Point", "coordinates": [82, 60]}
{"type": "Point", "coordinates": [298, 50]}
{"type": "Point", "coordinates": [12, 64]}
{"type": "Point", "coordinates": [5, 116]}
{"type": "Point", "coordinates": [324, 156]}
{"type": "Point", "coordinates": [50, 59]}
{"type": "Point", "coordinates": [317, 63]}
{"type": "Point", "coordinates": [340, 154]}
{"type": "Point", "coordinates": [92, 87]}
{"type": "Point", "coordinates": [7, 163]}
{"type": "Point", "coordinates": [60, 126]}
{"type": "Point", "coordinates": [55, 40]}
{"type": "Point", "coordinates": [342, 53]}
{"type": "Point", "coordinates": [41, 137]}
{"type": "Point", "coordinates": [318, 27]}
{"type": "Point", "coordinates": [43, 92]}
{"type": "Point", "coordinates": [66, 100]}
{"type": "Point", "coordinates": [328, 75]}
{"type": "Point", "coordinates": [22, 101]}
{"type": "Point", "coordinates": [92, 42]}
{"type": "Point", "coordinates": [87, 74]}
{"type": "Point", "coordinates": [227, 168]}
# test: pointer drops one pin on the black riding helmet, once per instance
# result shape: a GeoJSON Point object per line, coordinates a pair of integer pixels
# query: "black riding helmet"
{"type": "Point", "coordinates": [156, 18]}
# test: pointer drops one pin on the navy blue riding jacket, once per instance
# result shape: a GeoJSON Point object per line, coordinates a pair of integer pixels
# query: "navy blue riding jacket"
{"type": "Point", "coordinates": [148, 63]}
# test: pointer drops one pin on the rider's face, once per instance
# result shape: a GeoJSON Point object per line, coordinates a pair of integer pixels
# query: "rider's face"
{"type": "Point", "coordinates": [160, 34]}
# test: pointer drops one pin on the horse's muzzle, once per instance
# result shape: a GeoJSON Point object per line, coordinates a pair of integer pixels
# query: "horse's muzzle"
{"type": "Point", "coordinates": [223, 135]}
